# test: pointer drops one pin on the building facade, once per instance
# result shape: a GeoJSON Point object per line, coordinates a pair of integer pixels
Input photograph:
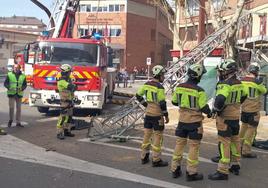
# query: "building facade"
{"type": "Point", "coordinates": [135, 29]}
{"type": "Point", "coordinates": [252, 35]}
{"type": "Point", "coordinates": [12, 42]}
{"type": "Point", "coordinates": [22, 24]}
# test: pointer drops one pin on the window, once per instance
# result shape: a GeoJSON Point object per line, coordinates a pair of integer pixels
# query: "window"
{"type": "Point", "coordinates": [88, 8]}
{"type": "Point", "coordinates": [192, 8]}
{"type": "Point", "coordinates": [218, 4]}
{"type": "Point", "coordinates": [83, 32]}
{"type": "Point", "coordinates": [116, 8]}
{"type": "Point", "coordinates": [115, 32]}
{"type": "Point", "coordinates": [94, 9]}
{"type": "Point", "coordinates": [70, 53]}
{"type": "Point", "coordinates": [263, 21]}
{"type": "Point", "coordinates": [111, 8]}
{"type": "Point", "coordinates": [83, 8]}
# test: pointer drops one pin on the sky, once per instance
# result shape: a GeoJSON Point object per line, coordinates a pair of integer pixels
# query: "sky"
{"type": "Point", "coordinates": [24, 8]}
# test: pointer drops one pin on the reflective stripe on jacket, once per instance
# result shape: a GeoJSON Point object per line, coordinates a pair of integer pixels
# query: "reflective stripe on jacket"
{"type": "Point", "coordinates": [154, 94]}
{"type": "Point", "coordinates": [191, 99]}
{"type": "Point", "coordinates": [232, 91]}
{"type": "Point", "coordinates": [254, 89]}
{"type": "Point", "coordinates": [189, 96]}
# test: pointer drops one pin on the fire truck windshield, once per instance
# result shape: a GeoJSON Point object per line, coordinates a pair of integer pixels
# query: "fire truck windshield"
{"type": "Point", "coordinates": [59, 53]}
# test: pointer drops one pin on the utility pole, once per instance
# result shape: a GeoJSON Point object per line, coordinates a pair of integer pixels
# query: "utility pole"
{"type": "Point", "coordinates": [201, 21]}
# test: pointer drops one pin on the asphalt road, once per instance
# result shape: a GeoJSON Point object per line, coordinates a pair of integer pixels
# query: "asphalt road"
{"type": "Point", "coordinates": [33, 157]}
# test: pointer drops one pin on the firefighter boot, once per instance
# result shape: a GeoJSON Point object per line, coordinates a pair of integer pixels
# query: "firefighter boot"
{"type": "Point", "coordinates": [177, 173]}
{"type": "Point", "coordinates": [218, 176]}
{"type": "Point", "coordinates": [9, 123]}
{"type": "Point", "coordinates": [145, 160]}
{"type": "Point", "coordinates": [234, 169]}
{"type": "Point", "coordinates": [60, 136]}
{"type": "Point", "coordinates": [160, 163]}
{"type": "Point", "coordinates": [249, 155]}
{"type": "Point", "coordinates": [194, 177]}
{"type": "Point", "coordinates": [68, 133]}
{"type": "Point", "coordinates": [215, 159]}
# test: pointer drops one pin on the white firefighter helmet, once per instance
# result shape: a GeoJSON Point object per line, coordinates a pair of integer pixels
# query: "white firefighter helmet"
{"type": "Point", "coordinates": [158, 70]}
{"type": "Point", "coordinates": [66, 68]}
{"type": "Point", "coordinates": [229, 65]}
{"type": "Point", "coordinates": [254, 68]}
{"type": "Point", "coordinates": [196, 70]}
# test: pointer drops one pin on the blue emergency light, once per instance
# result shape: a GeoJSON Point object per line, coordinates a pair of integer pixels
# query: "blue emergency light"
{"type": "Point", "coordinates": [50, 79]}
{"type": "Point", "coordinates": [45, 33]}
{"type": "Point", "coordinates": [97, 36]}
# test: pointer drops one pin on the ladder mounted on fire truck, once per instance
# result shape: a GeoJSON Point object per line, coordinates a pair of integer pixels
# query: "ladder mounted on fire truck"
{"type": "Point", "coordinates": [62, 17]}
{"type": "Point", "coordinates": [116, 124]}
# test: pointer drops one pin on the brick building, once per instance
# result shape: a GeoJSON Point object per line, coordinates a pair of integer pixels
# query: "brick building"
{"type": "Point", "coordinates": [253, 35]}
{"type": "Point", "coordinates": [135, 29]}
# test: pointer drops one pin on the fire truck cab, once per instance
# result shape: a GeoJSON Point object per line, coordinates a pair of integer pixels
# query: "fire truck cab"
{"type": "Point", "coordinates": [92, 72]}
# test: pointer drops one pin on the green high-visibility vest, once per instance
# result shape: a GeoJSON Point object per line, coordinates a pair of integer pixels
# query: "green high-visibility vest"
{"type": "Point", "coordinates": [15, 86]}
{"type": "Point", "coordinates": [153, 92]}
{"type": "Point", "coordinates": [253, 88]}
{"type": "Point", "coordinates": [65, 94]}
{"type": "Point", "coordinates": [191, 98]}
{"type": "Point", "coordinates": [232, 92]}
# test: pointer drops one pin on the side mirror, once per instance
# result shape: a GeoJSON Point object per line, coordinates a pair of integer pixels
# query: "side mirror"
{"type": "Point", "coordinates": [26, 53]}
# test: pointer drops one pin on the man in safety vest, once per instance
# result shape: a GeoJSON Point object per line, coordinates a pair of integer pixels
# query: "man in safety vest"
{"type": "Point", "coordinates": [229, 96]}
{"type": "Point", "coordinates": [155, 116]}
{"type": "Point", "coordinates": [192, 101]}
{"type": "Point", "coordinates": [250, 116]}
{"type": "Point", "coordinates": [66, 91]}
{"type": "Point", "coordinates": [15, 83]}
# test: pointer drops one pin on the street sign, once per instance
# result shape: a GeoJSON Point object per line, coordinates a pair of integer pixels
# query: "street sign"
{"type": "Point", "coordinates": [148, 61]}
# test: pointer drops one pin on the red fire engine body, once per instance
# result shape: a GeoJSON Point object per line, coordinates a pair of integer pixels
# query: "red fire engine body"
{"type": "Point", "coordinates": [91, 61]}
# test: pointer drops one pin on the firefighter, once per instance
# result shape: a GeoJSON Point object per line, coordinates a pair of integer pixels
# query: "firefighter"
{"type": "Point", "coordinates": [155, 116]}
{"type": "Point", "coordinates": [192, 101]}
{"type": "Point", "coordinates": [66, 91]}
{"type": "Point", "coordinates": [15, 83]}
{"type": "Point", "coordinates": [250, 116]}
{"type": "Point", "coordinates": [229, 96]}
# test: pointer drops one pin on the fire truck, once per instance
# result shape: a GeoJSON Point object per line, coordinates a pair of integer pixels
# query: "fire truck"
{"type": "Point", "coordinates": [90, 58]}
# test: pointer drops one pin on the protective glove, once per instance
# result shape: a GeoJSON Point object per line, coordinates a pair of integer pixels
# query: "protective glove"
{"type": "Point", "coordinates": [209, 115]}
{"type": "Point", "coordinates": [166, 119]}
{"type": "Point", "coordinates": [145, 104]}
{"type": "Point", "coordinates": [214, 113]}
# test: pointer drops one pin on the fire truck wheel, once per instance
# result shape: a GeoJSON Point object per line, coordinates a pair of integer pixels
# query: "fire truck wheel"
{"type": "Point", "coordinates": [43, 109]}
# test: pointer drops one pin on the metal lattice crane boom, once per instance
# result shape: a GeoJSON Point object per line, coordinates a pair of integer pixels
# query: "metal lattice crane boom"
{"type": "Point", "coordinates": [115, 124]}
